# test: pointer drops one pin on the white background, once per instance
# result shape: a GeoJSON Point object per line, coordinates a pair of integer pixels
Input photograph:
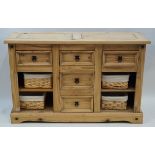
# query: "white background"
{"type": "Point", "coordinates": [79, 14]}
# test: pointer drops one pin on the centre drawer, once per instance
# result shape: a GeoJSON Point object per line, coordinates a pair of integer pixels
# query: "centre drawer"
{"type": "Point", "coordinates": [77, 103]}
{"type": "Point", "coordinates": [120, 59]}
{"type": "Point", "coordinates": [70, 80]}
{"type": "Point", "coordinates": [77, 58]}
{"type": "Point", "coordinates": [34, 58]}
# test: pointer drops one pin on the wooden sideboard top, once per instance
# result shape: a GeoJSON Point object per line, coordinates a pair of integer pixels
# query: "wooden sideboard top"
{"type": "Point", "coordinates": [77, 38]}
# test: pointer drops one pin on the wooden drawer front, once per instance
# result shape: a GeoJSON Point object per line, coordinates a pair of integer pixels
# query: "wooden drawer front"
{"type": "Point", "coordinates": [77, 80]}
{"type": "Point", "coordinates": [77, 103]}
{"type": "Point", "coordinates": [77, 57]}
{"type": "Point", "coordinates": [34, 57]}
{"type": "Point", "coordinates": [120, 59]}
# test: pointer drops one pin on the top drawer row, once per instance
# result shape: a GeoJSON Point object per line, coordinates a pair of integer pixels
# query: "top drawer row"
{"type": "Point", "coordinates": [113, 55]}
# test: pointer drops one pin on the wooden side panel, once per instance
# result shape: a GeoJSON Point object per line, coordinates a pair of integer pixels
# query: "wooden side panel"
{"type": "Point", "coordinates": [56, 77]}
{"type": "Point", "coordinates": [14, 78]}
{"type": "Point", "coordinates": [139, 80]}
{"type": "Point", "coordinates": [97, 83]}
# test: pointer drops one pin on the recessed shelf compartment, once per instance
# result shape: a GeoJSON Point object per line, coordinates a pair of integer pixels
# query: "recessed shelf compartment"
{"type": "Point", "coordinates": [129, 105]}
{"type": "Point", "coordinates": [39, 82]}
{"type": "Point", "coordinates": [35, 100]}
{"type": "Point", "coordinates": [118, 82]}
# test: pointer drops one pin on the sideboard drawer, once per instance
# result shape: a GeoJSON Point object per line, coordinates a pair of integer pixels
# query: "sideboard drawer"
{"type": "Point", "coordinates": [77, 103]}
{"type": "Point", "coordinates": [34, 57]}
{"type": "Point", "coordinates": [69, 80]}
{"type": "Point", "coordinates": [77, 57]}
{"type": "Point", "coordinates": [120, 59]}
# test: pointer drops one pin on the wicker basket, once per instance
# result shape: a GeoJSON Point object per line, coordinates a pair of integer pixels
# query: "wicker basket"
{"type": "Point", "coordinates": [115, 81]}
{"type": "Point", "coordinates": [37, 80]}
{"type": "Point", "coordinates": [114, 102]}
{"type": "Point", "coordinates": [32, 102]}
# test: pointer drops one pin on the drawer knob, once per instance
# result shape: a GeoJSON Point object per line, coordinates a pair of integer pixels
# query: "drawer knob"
{"type": "Point", "coordinates": [119, 59]}
{"type": "Point", "coordinates": [77, 80]}
{"type": "Point", "coordinates": [34, 58]}
{"type": "Point", "coordinates": [77, 58]}
{"type": "Point", "coordinates": [76, 103]}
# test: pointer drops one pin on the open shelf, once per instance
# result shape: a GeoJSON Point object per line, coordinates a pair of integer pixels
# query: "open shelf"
{"type": "Point", "coordinates": [23, 89]}
{"type": "Point", "coordinates": [131, 82]}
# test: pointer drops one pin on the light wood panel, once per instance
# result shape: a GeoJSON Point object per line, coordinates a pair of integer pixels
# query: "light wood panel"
{"type": "Point", "coordinates": [77, 69]}
{"type": "Point", "coordinates": [79, 47]}
{"type": "Point", "coordinates": [75, 91]}
{"type": "Point", "coordinates": [30, 47]}
{"type": "Point", "coordinates": [97, 84]}
{"type": "Point", "coordinates": [86, 38]}
{"type": "Point", "coordinates": [121, 47]}
{"type": "Point", "coordinates": [56, 76]}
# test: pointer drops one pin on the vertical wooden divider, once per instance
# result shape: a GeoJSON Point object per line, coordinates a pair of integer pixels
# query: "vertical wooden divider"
{"type": "Point", "coordinates": [97, 83]}
{"type": "Point", "coordinates": [56, 77]}
{"type": "Point", "coordinates": [14, 78]}
{"type": "Point", "coordinates": [139, 79]}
